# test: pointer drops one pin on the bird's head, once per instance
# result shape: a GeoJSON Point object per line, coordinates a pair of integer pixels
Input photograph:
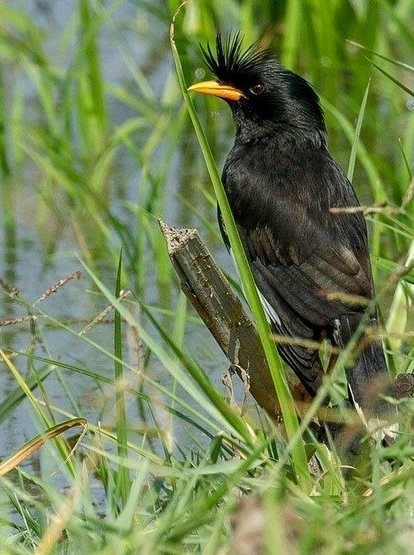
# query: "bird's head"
{"type": "Point", "coordinates": [261, 93]}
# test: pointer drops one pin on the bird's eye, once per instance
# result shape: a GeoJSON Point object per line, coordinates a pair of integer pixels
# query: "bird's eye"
{"type": "Point", "coordinates": [257, 89]}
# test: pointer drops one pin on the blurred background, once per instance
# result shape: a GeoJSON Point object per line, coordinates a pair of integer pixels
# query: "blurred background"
{"type": "Point", "coordinates": [96, 145]}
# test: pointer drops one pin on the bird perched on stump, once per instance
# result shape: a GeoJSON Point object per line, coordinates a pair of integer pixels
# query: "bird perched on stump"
{"type": "Point", "coordinates": [298, 218]}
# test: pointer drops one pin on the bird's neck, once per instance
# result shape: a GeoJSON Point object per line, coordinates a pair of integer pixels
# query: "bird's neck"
{"type": "Point", "coordinates": [297, 127]}
{"type": "Point", "coordinates": [286, 133]}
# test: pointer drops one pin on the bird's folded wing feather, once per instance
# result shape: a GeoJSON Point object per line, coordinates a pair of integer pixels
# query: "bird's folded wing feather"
{"type": "Point", "coordinates": [310, 265]}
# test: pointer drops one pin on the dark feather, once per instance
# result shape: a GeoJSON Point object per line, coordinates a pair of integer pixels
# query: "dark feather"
{"type": "Point", "coordinates": [309, 262]}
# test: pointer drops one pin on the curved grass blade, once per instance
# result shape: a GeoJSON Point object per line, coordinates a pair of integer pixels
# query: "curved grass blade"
{"type": "Point", "coordinates": [276, 367]}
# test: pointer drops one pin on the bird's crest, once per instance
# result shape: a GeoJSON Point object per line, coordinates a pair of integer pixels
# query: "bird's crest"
{"type": "Point", "coordinates": [230, 61]}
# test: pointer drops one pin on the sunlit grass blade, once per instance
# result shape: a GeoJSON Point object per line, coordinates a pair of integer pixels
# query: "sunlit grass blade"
{"type": "Point", "coordinates": [34, 444]}
{"type": "Point", "coordinates": [93, 90]}
{"type": "Point", "coordinates": [393, 79]}
{"type": "Point", "coordinates": [354, 149]}
{"type": "Point", "coordinates": [398, 63]}
{"type": "Point", "coordinates": [281, 386]}
{"type": "Point", "coordinates": [121, 420]}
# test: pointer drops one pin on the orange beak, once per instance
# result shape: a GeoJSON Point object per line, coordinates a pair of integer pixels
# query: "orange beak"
{"type": "Point", "coordinates": [217, 89]}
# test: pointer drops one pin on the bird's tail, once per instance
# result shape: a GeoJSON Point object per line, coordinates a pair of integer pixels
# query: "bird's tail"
{"type": "Point", "coordinates": [367, 375]}
{"type": "Point", "coordinates": [368, 382]}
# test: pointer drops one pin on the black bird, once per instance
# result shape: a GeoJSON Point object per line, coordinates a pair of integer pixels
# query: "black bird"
{"type": "Point", "coordinates": [309, 259]}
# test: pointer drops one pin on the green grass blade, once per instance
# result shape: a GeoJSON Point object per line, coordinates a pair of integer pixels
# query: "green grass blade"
{"type": "Point", "coordinates": [393, 79]}
{"type": "Point", "coordinates": [281, 386]}
{"type": "Point", "coordinates": [89, 29]}
{"type": "Point", "coordinates": [354, 149]}
{"type": "Point", "coordinates": [121, 420]}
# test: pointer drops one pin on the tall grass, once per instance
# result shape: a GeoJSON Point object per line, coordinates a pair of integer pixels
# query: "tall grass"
{"type": "Point", "coordinates": [93, 150]}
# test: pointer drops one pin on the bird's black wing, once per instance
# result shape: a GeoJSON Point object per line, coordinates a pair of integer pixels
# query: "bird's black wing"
{"type": "Point", "coordinates": [305, 259]}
